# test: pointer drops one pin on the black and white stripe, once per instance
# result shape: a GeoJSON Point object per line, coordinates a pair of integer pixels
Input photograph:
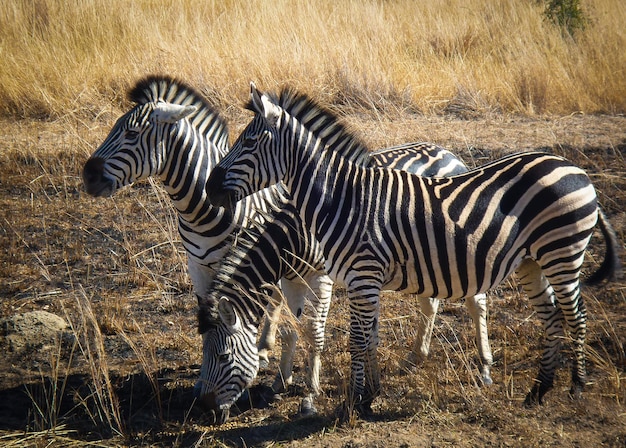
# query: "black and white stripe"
{"type": "Point", "coordinates": [448, 238]}
{"type": "Point", "coordinates": [173, 134]}
{"type": "Point", "coordinates": [262, 256]}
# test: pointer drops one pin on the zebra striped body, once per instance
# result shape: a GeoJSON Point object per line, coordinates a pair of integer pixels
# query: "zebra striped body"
{"type": "Point", "coordinates": [436, 237]}
{"type": "Point", "coordinates": [261, 257]}
{"type": "Point", "coordinates": [173, 134]}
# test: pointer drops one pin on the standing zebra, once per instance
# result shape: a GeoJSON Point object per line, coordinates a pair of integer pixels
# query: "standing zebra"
{"type": "Point", "coordinates": [262, 256]}
{"type": "Point", "coordinates": [448, 238]}
{"type": "Point", "coordinates": [173, 134]}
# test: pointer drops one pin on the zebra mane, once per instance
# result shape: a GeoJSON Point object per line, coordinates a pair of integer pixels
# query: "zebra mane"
{"type": "Point", "coordinates": [226, 281]}
{"type": "Point", "coordinates": [154, 88]}
{"type": "Point", "coordinates": [208, 316]}
{"type": "Point", "coordinates": [323, 123]}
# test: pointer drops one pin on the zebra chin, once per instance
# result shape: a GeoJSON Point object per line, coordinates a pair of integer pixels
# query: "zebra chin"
{"type": "Point", "coordinates": [100, 190]}
{"type": "Point", "coordinates": [216, 193]}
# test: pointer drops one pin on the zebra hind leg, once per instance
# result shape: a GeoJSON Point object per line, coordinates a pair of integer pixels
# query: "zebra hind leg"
{"type": "Point", "coordinates": [542, 298]}
{"type": "Point", "coordinates": [574, 312]}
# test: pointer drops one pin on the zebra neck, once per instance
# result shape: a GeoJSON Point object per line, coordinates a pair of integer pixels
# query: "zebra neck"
{"type": "Point", "coordinates": [189, 160]}
{"type": "Point", "coordinates": [326, 191]}
{"type": "Point", "coordinates": [204, 229]}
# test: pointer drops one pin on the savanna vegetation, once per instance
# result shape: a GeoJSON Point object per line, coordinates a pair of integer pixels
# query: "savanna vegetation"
{"type": "Point", "coordinates": [482, 78]}
{"type": "Point", "coordinates": [509, 56]}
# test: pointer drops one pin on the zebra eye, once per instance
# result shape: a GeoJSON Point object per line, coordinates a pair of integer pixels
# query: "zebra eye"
{"type": "Point", "coordinates": [249, 142]}
{"type": "Point", "coordinates": [223, 357]}
{"type": "Point", "coordinates": [130, 134]}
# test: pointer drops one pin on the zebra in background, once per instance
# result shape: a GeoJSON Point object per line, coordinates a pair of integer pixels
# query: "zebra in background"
{"type": "Point", "coordinates": [529, 213]}
{"type": "Point", "coordinates": [264, 254]}
{"type": "Point", "coordinates": [173, 134]}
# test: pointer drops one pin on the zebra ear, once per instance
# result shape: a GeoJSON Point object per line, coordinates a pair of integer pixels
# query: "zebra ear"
{"type": "Point", "coordinates": [228, 315]}
{"type": "Point", "coordinates": [171, 113]}
{"type": "Point", "coordinates": [264, 106]}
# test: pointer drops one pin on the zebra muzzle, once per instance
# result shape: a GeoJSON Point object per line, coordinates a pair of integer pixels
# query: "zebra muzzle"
{"type": "Point", "coordinates": [93, 179]}
{"type": "Point", "coordinates": [216, 193]}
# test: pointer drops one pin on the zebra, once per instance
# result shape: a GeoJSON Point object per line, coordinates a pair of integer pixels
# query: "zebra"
{"type": "Point", "coordinates": [531, 213]}
{"type": "Point", "coordinates": [263, 255]}
{"type": "Point", "coordinates": [173, 134]}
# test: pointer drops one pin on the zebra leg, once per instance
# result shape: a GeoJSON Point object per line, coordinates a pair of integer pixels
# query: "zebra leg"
{"type": "Point", "coordinates": [268, 334]}
{"type": "Point", "coordinates": [425, 325]}
{"type": "Point", "coordinates": [318, 296]}
{"type": "Point", "coordinates": [574, 312]}
{"type": "Point", "coordinates": [541, 296]}
{"type": "Point", "coordinates": [364, 340]}
{"type": "Point", "coordinates": [477, 307]}
{"type": "Point", "coordinates": [294, 291]}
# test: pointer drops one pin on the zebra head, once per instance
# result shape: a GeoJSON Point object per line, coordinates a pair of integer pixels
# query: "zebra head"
{"type": "Point", "coordinates": [133, 150]}
{"type": "Point", "coordinates": [238, 174]}
{"type": "Point", "coordinates": [230, 360]}
{"type": "Point", "coordinates": [170, 126]}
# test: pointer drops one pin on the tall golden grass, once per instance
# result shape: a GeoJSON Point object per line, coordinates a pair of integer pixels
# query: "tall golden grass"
{"type": "Point", "coordinates": [78, 57]}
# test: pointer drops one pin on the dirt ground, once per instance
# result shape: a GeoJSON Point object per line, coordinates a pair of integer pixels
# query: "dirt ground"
{"type": "Point", "coordinates": [114, 270]}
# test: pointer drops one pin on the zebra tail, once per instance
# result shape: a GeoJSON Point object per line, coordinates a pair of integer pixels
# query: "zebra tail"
{"type": "Point", "coordinates": [611, 267]}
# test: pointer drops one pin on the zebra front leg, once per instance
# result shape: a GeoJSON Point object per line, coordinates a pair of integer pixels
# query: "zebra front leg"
{"type": "Point", "coordinates": [319, 298]}
{"type": "Point", "coordinates": [477, 307]}
{"type": "Point", "coordinates": [364, 340]}
{"type": "Point", "coordinates": [294, 292]}
{"type": "Point", "coordinates": [268, 334]}
{"type": "Point", "coordinates": [284, 377]}
{"type": "Point", "coordinates": [425, 325]}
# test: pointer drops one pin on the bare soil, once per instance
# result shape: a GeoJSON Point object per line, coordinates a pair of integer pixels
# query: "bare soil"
{"type": "Point", "coordinates": [115, 271]}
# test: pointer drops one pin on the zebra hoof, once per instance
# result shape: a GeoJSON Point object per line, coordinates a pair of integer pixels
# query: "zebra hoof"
{"type": "Point", "coordinates": [344, 413]}
{"type": "Point", "coordinates": [307, 408]}
{"type": "Point", "coordinates": [535, 396]}
{"type": "Point", "coordinates": [576, 392]}
{"type": "Point", "coordinates": [486, 378]}
{"type": "Point", "coordinates": [348, 412]}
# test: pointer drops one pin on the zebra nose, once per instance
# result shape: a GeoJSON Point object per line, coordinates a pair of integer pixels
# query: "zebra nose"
{"type": "Point", "coordinates": [208, 401]}
{"type": "Point", "coordinates": [92, 174]}
{"type": "Point", "coordinates": [214, 187]}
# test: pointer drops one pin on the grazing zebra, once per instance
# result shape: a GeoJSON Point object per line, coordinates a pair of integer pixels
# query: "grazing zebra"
{"type": "Point", "coordinates": [264, 255]}
{"type": "Point", "coordinates": [173, 134]}
{"type": "Point", "coordinates": [529, 213]}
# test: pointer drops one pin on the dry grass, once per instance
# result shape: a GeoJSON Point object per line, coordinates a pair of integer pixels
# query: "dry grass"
{"type": "Point", "coordinates": [61, 59]}
{"type": "Point", "coordinates": [115, 268]}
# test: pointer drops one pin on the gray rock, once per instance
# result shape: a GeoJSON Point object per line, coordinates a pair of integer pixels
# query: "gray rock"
{"type": "Point", "coordinates": [32, 330]}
